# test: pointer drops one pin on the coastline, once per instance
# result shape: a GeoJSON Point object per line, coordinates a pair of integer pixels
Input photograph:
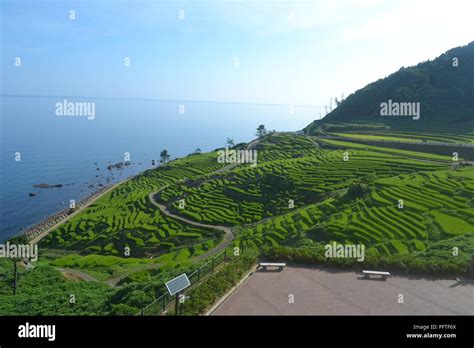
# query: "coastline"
{"type": "Point", "coordinates": [37, 232]}
{"type": "Point", "coordinates": [44, 227]}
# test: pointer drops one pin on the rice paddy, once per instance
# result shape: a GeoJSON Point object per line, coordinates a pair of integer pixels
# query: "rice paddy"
{"type": "Point", "coordinates": [296, 195]}
{"type": "Point", "coordinates": [125, 218]}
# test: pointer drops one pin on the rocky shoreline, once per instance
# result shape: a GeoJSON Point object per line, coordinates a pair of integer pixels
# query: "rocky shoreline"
{"type": "Point", "coordinates": [38, 229]}
{"type": "Point", "coordinates": [52, 220]}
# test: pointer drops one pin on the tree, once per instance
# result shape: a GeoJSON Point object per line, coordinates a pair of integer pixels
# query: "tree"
{"type": "Point", "coordinates": [197, 151]}
{"type": "Point", "coordinates": [230, 142]}
{"type": "Point", "coordinates": [164, 155]}
{"type": "Point", "coordinates": [18, 240]}
{"type": "Point", "coordinates": [261, 131]}
{"type": "Point", "coordinates": [357, 189]}
{"type": "Point", "coordinates": [273, 184]}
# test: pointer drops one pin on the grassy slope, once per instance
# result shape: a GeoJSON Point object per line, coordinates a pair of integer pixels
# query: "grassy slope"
{"type": "Point", "coordinates": [125, 218]}
{"type": "Point", "coordinates": [466, 137]}
{"type": "Point", "coordinates": [412, 154]}
{"type": "Point", "coordinates": [375, 137]}
{"type": "Point", "coordinates": [438, 214]}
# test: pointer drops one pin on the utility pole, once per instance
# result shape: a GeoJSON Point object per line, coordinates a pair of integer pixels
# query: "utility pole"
{"type": "Point", "coordinates": [14, 277]}
{"type": "Point", "coordinates": [176, 304]}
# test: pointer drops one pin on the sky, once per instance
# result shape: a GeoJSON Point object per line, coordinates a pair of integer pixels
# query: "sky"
{"type": "Point", "coordinates": [277, 52]}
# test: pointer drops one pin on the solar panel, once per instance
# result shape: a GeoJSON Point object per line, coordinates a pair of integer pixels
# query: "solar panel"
{"type": "Point", "coordinates": [177, 284]}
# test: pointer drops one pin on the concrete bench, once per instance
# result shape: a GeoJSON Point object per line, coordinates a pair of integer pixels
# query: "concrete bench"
{"type": "Point", "coordinates": [384, 275]}
{"type": "Point", "coordinates": [280, 265]}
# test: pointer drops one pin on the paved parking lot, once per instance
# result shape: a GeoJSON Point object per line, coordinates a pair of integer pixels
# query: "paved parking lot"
{"type": "Point", "coordinates": [331, 292]}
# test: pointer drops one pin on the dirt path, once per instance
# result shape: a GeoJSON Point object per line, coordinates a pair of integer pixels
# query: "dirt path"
{"type": "Point", "coordinates": [228, 234]}
{"type": "Point", "coordinates": [75, 274]}
{"type": "Point", "coordinates": [115, 280]}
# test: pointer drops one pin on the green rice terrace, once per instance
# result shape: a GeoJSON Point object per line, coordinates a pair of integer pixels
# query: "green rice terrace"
{"type": "Point", "coordinates": [247, 194]}
{"type": "Point", "coordinates": [304, 192]}
{"type": "Point", "coordinates": [412, 137]}
{"type": "Point", "coordinates": [454, 134]}
{"type": "Point", "coordinates": [125, 218]}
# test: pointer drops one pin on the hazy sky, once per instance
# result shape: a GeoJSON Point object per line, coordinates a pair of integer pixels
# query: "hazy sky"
{"type": "Point", "coordinates": [289, 52]}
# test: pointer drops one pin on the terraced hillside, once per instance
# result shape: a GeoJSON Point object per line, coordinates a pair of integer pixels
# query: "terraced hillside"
{"type": "Point", "coordinates": [249, 194]}
{"type": "Point", "coordinates": [393, 184]}
{"type": "Point", "coordinates": [464, 137]}
{"type": "Point", "coordinates": [437, 206]}
{"type": "Point", "coordinates": [125, 217]}
{"type": "Point", "coordinates": [450, 134]}
{"type": "Point", "coordinates": [299, 193]}
{"type": "Point", "coordinates": [304, 192]}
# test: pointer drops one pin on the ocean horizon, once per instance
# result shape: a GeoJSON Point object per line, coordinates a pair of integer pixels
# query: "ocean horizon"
{"type": "Point", "coordinates": [38, 146]}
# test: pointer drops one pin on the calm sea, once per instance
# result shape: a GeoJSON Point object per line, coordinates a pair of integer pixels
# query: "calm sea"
{"type": "Point", "coordinates": [68, 150]}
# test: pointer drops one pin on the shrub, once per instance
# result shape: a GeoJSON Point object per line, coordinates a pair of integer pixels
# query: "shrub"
{"type": "Point", "coordinates": [407, 263]}
{"type": "Point", "coordinates": [123, 309]}
{"type": "Point", "coordinates": [357, 190]}
{"type": "Point", "coordinates": [206, 294]}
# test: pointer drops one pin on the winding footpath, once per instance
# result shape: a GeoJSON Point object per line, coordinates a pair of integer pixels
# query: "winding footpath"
{"type": "Point", "coordinates": [74, 273]}
{"type": "Point", "coordinates": [226, 241]}
{"type": "Point", "coordinates": [228, 234]}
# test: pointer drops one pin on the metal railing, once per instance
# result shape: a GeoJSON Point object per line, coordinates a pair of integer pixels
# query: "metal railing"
{"type": "Point", "coordinates": [160, 304]}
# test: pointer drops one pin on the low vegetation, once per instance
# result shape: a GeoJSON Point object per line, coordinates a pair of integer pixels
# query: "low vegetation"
{"type": "Point", "coordinates": [410, 210]}
{"type": "Point", "coordinates": [204, 295]}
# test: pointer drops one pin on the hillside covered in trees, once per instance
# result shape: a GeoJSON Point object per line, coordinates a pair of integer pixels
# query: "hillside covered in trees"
{"type": "Point", "coordinates": [443, 87]}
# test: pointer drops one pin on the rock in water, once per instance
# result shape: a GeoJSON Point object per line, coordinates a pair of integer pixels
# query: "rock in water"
{"type": "Point", "coordinates": [48, 186]}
